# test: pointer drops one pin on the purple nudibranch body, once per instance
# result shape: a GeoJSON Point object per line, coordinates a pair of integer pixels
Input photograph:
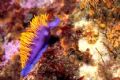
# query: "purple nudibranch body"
{"type": "Point", "coordinates": [41, 44]}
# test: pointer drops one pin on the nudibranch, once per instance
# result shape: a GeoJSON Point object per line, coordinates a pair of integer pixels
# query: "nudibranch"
{"type": "Point", "coordinates": [34, 41]}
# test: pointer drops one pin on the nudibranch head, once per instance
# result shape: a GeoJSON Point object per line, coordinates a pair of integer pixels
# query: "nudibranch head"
{"type": "Point", "coordinates": [26, 39]}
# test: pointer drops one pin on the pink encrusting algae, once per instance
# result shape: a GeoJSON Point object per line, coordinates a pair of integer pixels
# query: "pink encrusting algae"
{"type": "Point", "coordinates": [11, 49]}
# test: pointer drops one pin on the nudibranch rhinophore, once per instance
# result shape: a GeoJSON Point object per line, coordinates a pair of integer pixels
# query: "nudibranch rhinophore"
{"type": "Point", "coordinates": [34, 41]}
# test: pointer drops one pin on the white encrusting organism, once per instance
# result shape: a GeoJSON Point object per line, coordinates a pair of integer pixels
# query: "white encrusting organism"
{"type": "Point", "coordinates": [91, 39]}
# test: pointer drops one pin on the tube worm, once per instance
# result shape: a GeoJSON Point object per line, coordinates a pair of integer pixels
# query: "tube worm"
{"type": "Point", "coordinates": [34, 41]}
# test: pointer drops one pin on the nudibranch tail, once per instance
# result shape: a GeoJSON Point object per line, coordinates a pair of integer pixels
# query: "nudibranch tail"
{"type": "Point", "coordinates": [28, 67]}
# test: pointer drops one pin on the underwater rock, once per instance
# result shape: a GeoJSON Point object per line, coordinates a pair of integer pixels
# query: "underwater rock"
{"type": "Point", "coordinates": [35, 3]}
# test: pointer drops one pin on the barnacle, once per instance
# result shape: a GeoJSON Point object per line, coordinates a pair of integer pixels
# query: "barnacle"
{"type": "Point", "coordinates": [28, 36]}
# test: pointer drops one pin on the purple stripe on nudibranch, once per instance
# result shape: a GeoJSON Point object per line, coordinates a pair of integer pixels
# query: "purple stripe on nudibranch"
{"type": "Point", "coordinates": [40, 44]}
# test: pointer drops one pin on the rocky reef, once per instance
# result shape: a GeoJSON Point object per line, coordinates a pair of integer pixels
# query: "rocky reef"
{"type": "Point", "coordinates": [85, 45]}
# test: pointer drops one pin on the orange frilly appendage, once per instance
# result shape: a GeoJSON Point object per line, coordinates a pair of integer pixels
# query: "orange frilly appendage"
{"type": "Point", "coordinates": [26, 39]}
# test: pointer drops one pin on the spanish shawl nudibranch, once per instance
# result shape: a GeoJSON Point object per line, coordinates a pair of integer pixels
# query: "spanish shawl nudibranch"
{"type": "Point", "coordinates": [34, 41]}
